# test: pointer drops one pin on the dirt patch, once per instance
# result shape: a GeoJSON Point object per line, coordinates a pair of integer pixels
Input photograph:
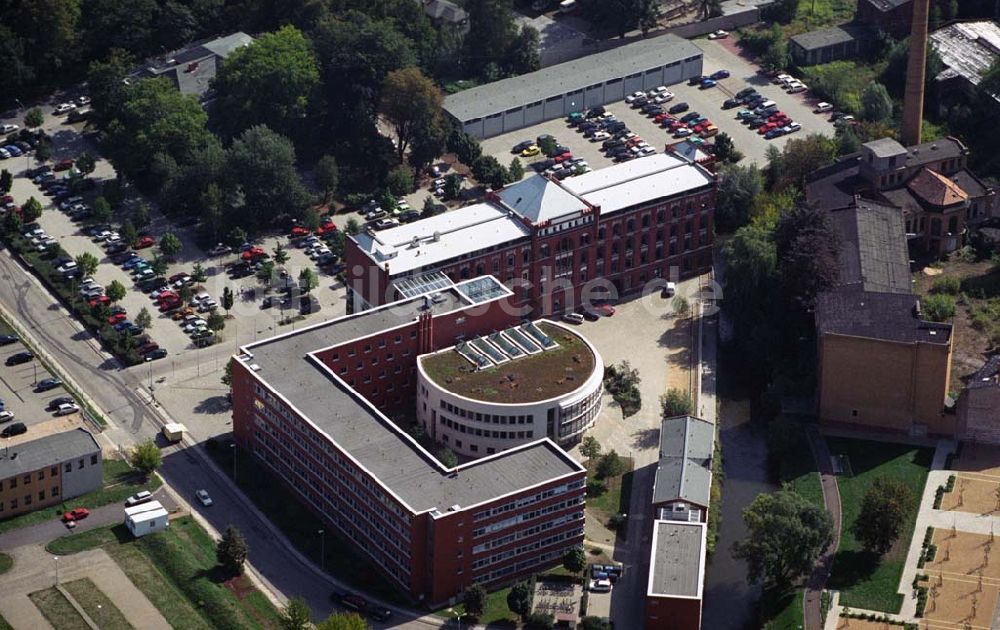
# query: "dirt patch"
{"type": "Point", "coordinates": [681, 355]}
{"type": "Point", "coordinates": [972, 494]}
{"type": "Point", "coordinates": [863, 624]}
{"type": "Point", "coordinates": [240, 586]}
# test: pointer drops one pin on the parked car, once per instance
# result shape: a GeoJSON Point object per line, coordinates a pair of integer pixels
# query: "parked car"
{"type": "Point", "coordinates": [719, 34]}
{"type": "Point", "coordinates": [631, 97]}
{"type": "Point", "coordinates": [144, 241]}
{"type": "Point", "coordinates": [220, 250]}
{"type": "Point", "coordinates": [706, 84]}
{"type": "Point", "coordinates": [11, 430]}
{"type": "Point", "coordinates": [822, 107]}
{"type": "Point", "coordinates": [6, 415]}
{"type": "Point", "coordinates": [159, 353]}
{"type": "Point", "coordinates": [719, 74]}
{"type": "Point", "coordinates": [573, 318]}
{"type": "Point", "coordinates": [203, 498]}
{"type": "Point", "coordinates": [62, 400]}
{"type": "Point", "coordinates": [75, 514]}
{"type": "Point", "coordinates": [6, 340]}
{"type": "Point", "coordinates": [678, 108]}
{"type": "Point", "coordinates": [46, 384]}
{"type": "Point", "coordinates": [521, 146]}
{"type": "Point", "coordinates": [19, 358]}
{"type": "Point", "coordinates": [63, 165]}
{"type": "Point", "coordinates": [66, 409]}
{"type": "Point", "coordinates": [139, 498]}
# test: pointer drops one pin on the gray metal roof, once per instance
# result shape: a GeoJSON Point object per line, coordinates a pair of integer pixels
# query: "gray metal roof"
{"type": "Point", "coordinates": [888, 5]}
{"type": "Point", "coordinates": [677, 559]}
{"type": "Point", "coordinates": [570, 76]}
{"type": "Point", "coordinates": [684, 471]}
{"type": "Point", "coordinates": [390, 455]}
{"type": "Point", "coordinates": [885, 147]}
{"type": "Point", "coordinates": [822, 38]}
{"type": "Point", "coordinates": [853, 312]}
{"type": "Point", "coordinates": [967, 49]}
{"type": "Point", "coordinates": [47, 451]}
{"type": "Point", "coordinates": [872, 247]}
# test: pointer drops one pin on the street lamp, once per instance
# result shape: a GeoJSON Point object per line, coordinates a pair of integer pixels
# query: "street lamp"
{"type": "Point", "coordinates": [322, 550]}
{"type": "Point", "coordinates": [233, 446]}
{"type": "Point", "coordinates": [56, 558]}
{"type": "Point", "coordinates": [152, 393]}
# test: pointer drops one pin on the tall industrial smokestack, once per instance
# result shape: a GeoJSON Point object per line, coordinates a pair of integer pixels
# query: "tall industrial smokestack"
{"type": "Point", "coordinates": [913, 98]}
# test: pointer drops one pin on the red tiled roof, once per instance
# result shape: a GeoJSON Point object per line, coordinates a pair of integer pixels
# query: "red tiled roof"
{"type": "Point", "coordinates": [936, 189]}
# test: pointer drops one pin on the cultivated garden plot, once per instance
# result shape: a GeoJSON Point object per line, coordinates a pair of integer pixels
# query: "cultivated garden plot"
{"type": "Point", "coordinates": [978, 494]}
{"type": "Point", "coordinates": [963, 580]}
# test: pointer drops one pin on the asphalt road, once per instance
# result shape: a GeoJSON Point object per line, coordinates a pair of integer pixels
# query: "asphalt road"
{"type": "Point", "coordinates": [117, 393]}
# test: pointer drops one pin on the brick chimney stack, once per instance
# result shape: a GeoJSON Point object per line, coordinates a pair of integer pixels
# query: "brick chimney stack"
{"type": "Point", "coordinates": [913, 98]}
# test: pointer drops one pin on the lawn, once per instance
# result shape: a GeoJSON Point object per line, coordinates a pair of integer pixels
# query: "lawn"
{"type": "Point", "coordinates": [798, 469]}
{"type": "Point", "coordinates": [610, 496]}
{"type": "Point", "coordinates": [4, 625]}
{"type": "Point", "coordinates": [176, 569]}
{"type": "Point", "coordinates": [96, 604]}
{"type": "Point", "coordinates": [865, 580]}
{"type": "Point", "coordinates": [120, 482]}
{"type": "Point", "coordinates": [816, 14]}
{"type": "Point", "coordinates": [301, 525]}
{"type": "Point", "coordinates": [496, 610]}
{"type": "Point", "coordinates": [783, 612]}
{"type": "Point", "coordinates": [57, 610]}
{"type": "Point", "coordinates": [6, 562]}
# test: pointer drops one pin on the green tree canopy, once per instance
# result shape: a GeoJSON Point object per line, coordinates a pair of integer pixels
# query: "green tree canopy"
{"type": "Point", "coordinates": [590, 447]}
{"type": "Point", "coordinates": [519, 599]}
{"type": "Point", "coordinates": [400, 181]}
{"type": "Point", "coordinates": [101, 210]}
{"type": "Point", "coordinates": [491, 32]}
{"type": "Point", "coordinates": [34, 118]}
{"type": "Point", "coordinates": [308, 280]}
{"type": "Point", "coordinates": [410, 101]}
{"type": "Point", "coordinates": [145, 456]}
{"type": "Point", "coordinates": [938, 307]}
{"type": "Point", "coordinates": [876, 104]}
{"type": "Point", "coordinates": [327, 175]}
{"type": "Point", "coordinates": [575, 560]}
{"type": "Point", "coordinates": [611, 464]}
{"type": "Point", "coordinates": [116, 291]}
{"type": "Point", "coordinates": [144, 320]}
{"type": "Point", "coordinates": [474, 600]}
{"type": "Point", "coordinates": [85, 163]}
{"type": "Point", "coordinates": [739, 186]}
{"type": "Point", "coordinates": [31, 210]}
{"type": "Point", "coordinates": [231, 551]}
{"type": "Point", "coordinates": [270, 82]}
{"type": "Point", "coordinates": [6, 181]}
{"type": "Point", "coordinates": [296, 615]}
{"type": "Point", "coordinates": [344, 621]}
{"type": "Point", "coordinates": [785, 535]}
{"type": "Point", "coordinates": [887, 505]}
{"type": "Point", "coordinates": [87, 263]}
{"type": "Point", "coordinates": [676, 402]}
{"type": "Point", "coordinates": [170, 244]}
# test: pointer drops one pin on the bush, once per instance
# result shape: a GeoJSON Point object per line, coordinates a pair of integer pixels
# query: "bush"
{"type": "Point", "coordinates": [949, 285]}
{"type": "Point", "coordinates": [676, 403]}
{"type": "Point", "coordinates": [540, 620]}
{"type": "Point", "coordinates": [939, 307]}
{"type": "Point", "coordinates": [610, 465]}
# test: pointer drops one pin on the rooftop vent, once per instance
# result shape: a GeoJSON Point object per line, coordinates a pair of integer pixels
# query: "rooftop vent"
{"type": "Point", "coordinates": [255, 367]}
{"type": "Point", "coordinates": [933, 147]}
{"type": "Point", "coordinates": [436, 236]}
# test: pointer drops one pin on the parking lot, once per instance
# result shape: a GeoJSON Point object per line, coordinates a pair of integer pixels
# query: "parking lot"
{"type": "Point", "coordinates": [708, 102]}
{"type": "Point", "coordinates": [20, 395]}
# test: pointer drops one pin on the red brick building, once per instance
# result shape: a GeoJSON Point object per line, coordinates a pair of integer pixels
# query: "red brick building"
{"type": "Point", "coordinates": [555, 244]}
{"type": "Point", "coordinates": [311, 407]}
{"type": "Point", "coordinates": [676, 576]}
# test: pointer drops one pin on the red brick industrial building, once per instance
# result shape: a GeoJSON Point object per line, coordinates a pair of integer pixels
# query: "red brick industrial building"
{"type": "Point", "coordinates": [555, 244]}
{"type": "Point", "coordinates": [311, 407]}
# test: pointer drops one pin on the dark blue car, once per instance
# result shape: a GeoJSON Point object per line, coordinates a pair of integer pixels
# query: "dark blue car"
{"type": "Point", "coordinates": [721, 74]}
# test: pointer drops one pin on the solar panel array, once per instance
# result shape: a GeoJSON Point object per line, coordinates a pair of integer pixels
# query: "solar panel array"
{"type": "Point", "coordinates": [412, 286]}
{"type": "Point", "coordinates": [501, 347]}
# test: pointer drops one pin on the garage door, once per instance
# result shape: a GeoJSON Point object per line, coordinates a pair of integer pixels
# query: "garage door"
{"type": "Point", "coordinates": [595, 95]}
{"type": "Point", "coordinates": [573, 102]}
{"type": "Point", "coordinates": [493, 125]}
{"type": "Point", "coordinates": [652, 78]}
{"type": "Point", "coordinates": [553, 107]}
{"type": "Point", "coordinates": [613, 91]}
{"type": "Point", "coordinates": [672, 74]}
{"type": "Point", "coordinates": [513, 119]}
{"type": "Point", "coordinates": [633, 83]}
{"type": "Point", "coordinates": [533, 113]}
{"type": "Point", "coordinates": [474, 127]}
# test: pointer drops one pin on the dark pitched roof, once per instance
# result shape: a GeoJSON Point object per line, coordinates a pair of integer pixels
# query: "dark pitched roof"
{"type": "Point", "coordinates": [986, 376]}
{"type": "Point", "coordinates": [685, 467]}
{"type": "Point", "coordinates": [943, 149]}
{"type": "Point", "coordinates": [873, 252]}
{"type": "Point", "coordinates": [887, 5]}
{"type": "Point", "coordinates": [887, 316]}
{"type": "Point", "coordinates": [970, 183]}
{"type": "Point", "coordinates": [47, 451]}
{"type": "Point", "coordinates": [822, 38]}
{"type": "Point", "coordinates": [835, 186]}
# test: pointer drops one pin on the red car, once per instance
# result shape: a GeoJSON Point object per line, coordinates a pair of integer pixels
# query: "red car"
{"type": "Point", "coordinates": [116, 318]}
{"type": "Point", "coordinates": [99, 300]}
{"type": "Point", "coordinates": [144, 242]}
{"type": "Point", "coordinates": [563, 157]}
{"type": "Point", "coordinates": [147, 348]}
{"type": "Point", "coordinates": [177, 276]}
{"type": "Point", "coordinates": [325, 228]}
{"type": "Point", "coordinates": [253, 253]}
{"type": "Point", "coordinates": [298, 230]}
{"type": "Point", "coordinates": [169, 305]}
{"type": "Point", "coordinates": [674, 126]}
{"type": "Point", "coordinates": [605, 309]}
{"type": "Point", "coordinates": [167, 296]}
{"type": "Point", "coordinates": [766, 127]}
{"type": "Point", "coordinates": [63, 165]}
{"type": "Point", "coordinates": [776, 116]}
{"type": "Point", "coordinates": [75, 514]}
{"type": "Point", "coordinates": [661, 117]}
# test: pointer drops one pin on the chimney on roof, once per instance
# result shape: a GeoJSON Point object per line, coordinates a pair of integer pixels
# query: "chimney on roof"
{"type": "Point", "coordinates": [913, 97]}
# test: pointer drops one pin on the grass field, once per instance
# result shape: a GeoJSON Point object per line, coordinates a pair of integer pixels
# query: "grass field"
{"type": "Point", "coordinates": [120, 482]}
{"type": "Point", "coordinates": [783, 612]}
{"type": "Point", "coordinates": [57, 610]}
{"type": "Point", "coordinates": [176, 570]}
{"type": "Point", "coordinates": [6, 562]}
{"type": "Point", "coordinates": [4, 625]}
{"type": "Point", "coordinates": [616, 495]}
{"type": "Point", "coordinates": [495, 612]}
{"type": "Point", "coordinates": [96, 604]}
{"type": "Point", "coordinates": [865, 580]}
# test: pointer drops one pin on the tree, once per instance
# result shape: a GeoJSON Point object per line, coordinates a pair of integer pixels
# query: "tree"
{"type": "Point", "coordinates": [786, 533]}
{"type": "Point", "coordinates": [939, 307]}
{"type": "Point", "coordinates": [474, 600]}
{"type": "Point", "coordinates": [6, 181]}
{"type": "Point", "coordinates": [491, 31]}
{"type": "Point", "coordinates": [87, 263]}
{"type": "Point", "coordinates": [308, 280]}
{"type": "Point", "coordinates": [145, 457]}
{"type": "Point", "coordinates": [158, 265]}
{"type": "Point", "coordinates": [344, 621]}
{"type": "Point", "coordinates": [430, 208]}
{"type": "Point", "coordinates": [710, 8]}
{"type": "Point", "coordinates": [198, 273]}
{"type": "Point", "coordinates": [400, 181]}
{"type": "Point", "coordinates": [140, 216]}
{"type": "Point", "coordinates": [280, 254]}
{"type": "Point", "coordinates": [326, 174]}
{"type": "Point", "coordinates": [575, 560]}
{"type": "Point", "coordinates": [610, 465]}
{"type": "Point", "coordinates": [116, 291]}
{"type": "Point", "coordinates": [144, 320]}
{"type": "Point", "coordinates": [216, 322]}
{"type": "Point", "coordinates": [34, 118]}
{"type": "Point", "coordinates": [31, 210]}
{"type": "Point", "coordinates": [101, 210]}
{"type": "Point", "coordinates": [515, 171]}
{"type": "Point", "coordinates": [519, 599]}
{"type": "Point", "coordinates": [522, 53]}
{"type": "Point", "coordinates": [725, 149]}
{"type": "Point", "coordinates": [129, 232]}
{"type": "Point", "coordinates": [465, 146]}
{"type": "Point", "coordinates": [170, 245]}
{"type": "Point", "coordinates": [776, 56]}
{"type": "Point", "coordinates": [807, 249]}
{"type": "Point", "coordinates": [12, 223]}
{"type": "Point", "coordinates": [43, 151]}
{"type": "Point", "coordinates": [261, 165]}
{"type": "Point", "coordinates": [590, 447]}
{"type": "Point", "coordinates": [353, 226]}
{"type": "Point", "coordinates": [887, 504]}
{"type": "Point", "coordinates": [876, 104]}
{"type": "Point", "coordinates": [648, 14]}
{"type": "Point", "coordinates": [271, 82]}
{"type": "Point", "coordinates": [231, 551]}
{"type": "Point", "coordinates": [266, 272]}
{"type": "Point", "coordinates": [802, 156]}
{"type": "Point", "coordinates": [488, 170]}
{"type": "Point", "coordinates": [676, 402]}
{"type": "Point", "coordinates": [739, 186]}
{"type": "Point", "coordinates": [452, 186]}
{"type": "Point", "coordinates": [447, 457]}
{"type": "Point", "coordinates": [409, 101]}
{"type": "Point", "coordinates": [227, 375]}
{"type": "Point", "coordinates": [227, 299]}
{"type": "Point", "coordinates": [86, 163]}
{"type": "Point", "coordinates": [295, 615]}
{"type": "Point", "coordinates": [593, 623]}
{"type": "Point", "coordinates": [428, 144]}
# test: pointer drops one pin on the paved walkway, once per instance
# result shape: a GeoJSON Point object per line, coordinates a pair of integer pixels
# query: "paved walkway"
{"type": "Point", "coordinates": [831, 498]}
{"type": "Point", "coordinates": [35, 569]}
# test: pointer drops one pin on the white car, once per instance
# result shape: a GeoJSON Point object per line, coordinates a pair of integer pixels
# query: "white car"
{"type": "Point", "coordinates": [823, 107]}
{"type": "Point", "coordinates": [203, 498]}
{"type": "Point", "coordinates": [599, 136]}
{"type": "Point", "coordinates": [633, 96]}
{"type": "Point", "coordinates": [319, 251]}
{"type": "Point", "coordinates": [719, 34]}
{"type": "Point", "coordinates": [67, 408]}
{"type": "Point", "coordinates": [208, 305]}
{"type": "Point", "coordinates": [101, 236]}
{"type": "Point", "coordinates": [69, 267]}
{"type": "Point", "coordinates": [600, 586]}
{"type": "Point", "coordinates": [660, 89]}
{"type": "Point", "coordinates": [64, 108]}
{"type": "Point", "coordinates": [201, 297]}
{"type": "Point", "coordinates": [182, 282]}
{"type": "Point", "coordinates": [792, 127]}
{"type": "Point", "coordinates": [648, 150]}
{"type": "Point", "coordinates": [782, 78]}
{"type": "Point", "coordinates": [682, 132]}
{"type": "Point", "coordinates": [193, 325]}
{"type": "Point", "coordinates": [7, 128]}
{"type": "Point", "coordinates": [665, 97]}
{"type": "Point", "coordinates": [46, 243]}
{"type": "Point", "coordinates": [795, 88]}
{"type": "Point", "coordinates": [6, 416]}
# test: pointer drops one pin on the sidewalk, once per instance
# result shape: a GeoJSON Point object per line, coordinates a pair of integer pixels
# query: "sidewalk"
{"type": "Point", "coordinates": [812, 607]}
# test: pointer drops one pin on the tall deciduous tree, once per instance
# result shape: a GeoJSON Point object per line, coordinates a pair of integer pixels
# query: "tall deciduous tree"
{"type": "Point", "coordinates": [327, 176]}
{"type": "Point", "coordinates": [491, 30]}
{"type": "Point", "coordinates": [34, 118]}
{"type": "Point", "coordinates": [116, 291]}
{"type": "Point", "coordinates": [227, 299]}
{"type": "Point", "coordinates": [6, 181]}
{"type": "Point", "coordinates": [806, 245]}
{"type": "Point", "coordinates": [786, 533]}
{"type": "Point", "coordinates": [738, 187]}
{"type": "Point", "coordinates": [575, 560]}
{"type": "Point", "coordinates": [474, 600]}
{"type": "Point", "coordinates": [308, 280]}
{"type": "Point", "coordinates": [409, 101]}
{"type": "Point", "coordinates": [231, 551]}
{"type": "Point", "coordinates": [802, 156]}
{"type": "Point", "coordinates": [85, 163]}
{"type": "Point", "coordinates": [887, 505]}
{"type": "Point", "coordinates": [295, 615]}
{"type": "Point", "coordinates": [876, 104]}
{"type": "Point", "coordinates": [269, 82]}
{"type": "Point", "coordinates": [170, 244]}
{"type": "Point", "coordinates": [144, 320]}
{"type": "Point", "coordinates": [261, 166]}
{"type": "Point", "coordinates": [145, 456]}
{"type": "Point", "coordinates": [344, 621]}
{"type": "Point", "coordinates": [590, 447]}
{"type": "Point", "coordinates": [87, 263]}
{"type": "Point", "coordinates": [31, 210]}
{"type": "Point", "coordinates": [519, 599]}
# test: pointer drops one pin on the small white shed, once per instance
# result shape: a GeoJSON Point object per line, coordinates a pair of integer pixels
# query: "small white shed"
{"type": "Point", "coordinates": [146, 518]}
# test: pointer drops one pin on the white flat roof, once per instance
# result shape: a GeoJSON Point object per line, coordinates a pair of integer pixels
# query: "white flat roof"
{"type": "Point", "coordinates": [638, 181]}
{"type": "Point", "coordinates": [442, 237]}
{"type": "Point", "coordinates": [142, 508]}
{"type": "Point", "coordinates": [677, 560]}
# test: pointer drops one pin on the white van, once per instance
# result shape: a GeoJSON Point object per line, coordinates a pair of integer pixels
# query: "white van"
{"type": "Point", "coordinates": [600, 586]}
{"type": "Point", "coordinates": [573, 318]}
{"type": "Point", "coordinates": [567, 6]}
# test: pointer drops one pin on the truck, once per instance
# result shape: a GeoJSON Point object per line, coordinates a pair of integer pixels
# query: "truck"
{"type": "Point", "coordinates": [174, 431]}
